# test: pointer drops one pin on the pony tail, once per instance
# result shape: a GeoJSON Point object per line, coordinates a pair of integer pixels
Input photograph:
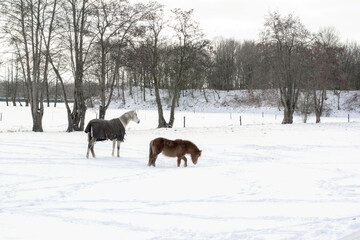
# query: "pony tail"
{"type": "Point", "coordinates": [150, 149]}
{"type": "Point", "coordinates": [150, 154]}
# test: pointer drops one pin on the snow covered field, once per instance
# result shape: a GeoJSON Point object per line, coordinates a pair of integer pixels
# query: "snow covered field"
{"type": "Point", "coordinates": [261, 180]}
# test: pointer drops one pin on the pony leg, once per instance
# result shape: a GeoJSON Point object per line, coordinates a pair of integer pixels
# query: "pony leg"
{"type": "Point", "coordinates": [153, 160]}
{"type": "Point", "coordinates": [118, 149]}
{"type": "Point", "coordinates": [152, 156]}
{"type": "Point", "coordinates": [178, 161]}
{"type": "Point", "coordinates": [185, 161]}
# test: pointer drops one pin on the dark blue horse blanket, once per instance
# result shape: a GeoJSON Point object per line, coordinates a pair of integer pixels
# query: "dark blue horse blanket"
{"type": "Point", "coordinates": [106, 129]}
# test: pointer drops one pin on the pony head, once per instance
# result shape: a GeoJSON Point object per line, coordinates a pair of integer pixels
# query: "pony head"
{"type": "Point", "coordinates": [195, 155]}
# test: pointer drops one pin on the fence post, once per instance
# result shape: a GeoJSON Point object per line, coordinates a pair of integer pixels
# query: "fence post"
{"type": "Point", "coordinates": [240, 121]}
{"type": "Point", "coordinates": [184, 121]}
{"type": "Point", "coordinates": [0, 116]}
{"type": "Point", "coordinates": [348, 118]}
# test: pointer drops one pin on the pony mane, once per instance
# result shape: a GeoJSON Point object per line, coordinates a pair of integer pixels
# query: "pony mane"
{"type": "Point", "coordinates": [193, 146]}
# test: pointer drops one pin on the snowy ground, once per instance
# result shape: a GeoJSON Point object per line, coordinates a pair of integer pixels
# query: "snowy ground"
{"type": "Point", "coordinates": [261, 180]}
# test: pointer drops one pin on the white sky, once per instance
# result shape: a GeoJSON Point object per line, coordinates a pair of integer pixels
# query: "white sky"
{"type": "Point", "coordinates": [244, 19]}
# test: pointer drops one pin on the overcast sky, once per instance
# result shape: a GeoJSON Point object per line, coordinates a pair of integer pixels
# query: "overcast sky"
{"type": "Point", "coordinates": [244, 19]}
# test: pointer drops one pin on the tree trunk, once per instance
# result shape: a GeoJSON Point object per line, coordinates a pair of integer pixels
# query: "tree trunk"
{"type": "Point", "coordinates": [69, 115]}
{"type": "Point", "coordinates": [318, 115]}
{"type": "Point", "coordinates": [287, 104]}
{"type": "Point", "coordinates": [319, 103]}
{"type": "Point", "coordinates": [123, 89]}
{"type": "Point", "coordinates": [102, 112]}
{"type": "Point", "coordinates": [37, 114]}
{"type": "Point", "coordinates": [161, 119]}
{"type": "Point", "coordinates": [79, 108]}
{"type": "Point", "coordinates": [102, 109]}
{"type": "Point", "coordinates": [173, 106]}
{"type": "Point", "coordinates": [56, 91]}
{"type": "Point", "coordinates": [288, 116]}
{"type": "Point", "coordinates": [206, 99]}
{"type": "Point", "coordinates": [47, 93]}
{"type": "Point", "coordinates": [78, 115]}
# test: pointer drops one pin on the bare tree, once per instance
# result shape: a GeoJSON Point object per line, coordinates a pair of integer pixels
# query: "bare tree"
{"type": "Point", "coordinates": [284, 40]}
{"type": "Point", "coordinates": [324, 71]}
{"type": "Point", "coordinates": [75, 24]}
{"type": "Point", "coordinates": [117, 23]}
{"type": "Point", "coordinates": [27, 21]}
{"type": "Point", "coordinates": [245, 64]}
{"type": "Point", "coordinates": [80, 41]}
{"type": "Point", "coordinates": [350, 64]}
{"type": "Point", "coordinates": [189, 42]}
{"type": "Point", "coordinates": [225, 64]}
{"type": "Point", "coordinates": [107, 14]}
{"type": "Point", "coordinates": [14, 83]}
{"type": "Point", "coordinates": [156, 24]}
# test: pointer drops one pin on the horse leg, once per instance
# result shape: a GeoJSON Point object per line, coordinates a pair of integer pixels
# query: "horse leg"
{"type": "Point", "coordinates": [118, 148]}
{"type": "Point", "coordinates": [152, 155]}
{"type": "Point", "coordinates": [152, 159]}
{"type": "Point", "coordinates": [178, 161]}
{"type": "Point", "coordinates": [91, 147]}
{"type": "Point", "coordinates": [113, 151]}
{"type": "Point", "coordinates": [185, 161]}
{"type": "Point", "coordinates": [88, 150]}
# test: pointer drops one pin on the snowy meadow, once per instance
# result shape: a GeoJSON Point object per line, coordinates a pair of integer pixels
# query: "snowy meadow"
{"type": "Point", "coordinates": [260, 180]}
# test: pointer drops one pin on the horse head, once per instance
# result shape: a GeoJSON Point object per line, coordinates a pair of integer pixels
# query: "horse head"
{"type": "Point", "coordinates": [195, 155]}
{"type": "Point", "coordinates": [129, 116]}
{"type": "Point", "coordinates": [134, 116]}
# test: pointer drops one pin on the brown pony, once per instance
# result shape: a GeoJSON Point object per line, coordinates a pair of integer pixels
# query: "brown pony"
{"type": "Point", "coordinates": [177, 148]}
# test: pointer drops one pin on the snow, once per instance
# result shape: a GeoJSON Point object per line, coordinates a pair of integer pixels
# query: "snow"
{"type": "Point", "coordinates": [260, 180]}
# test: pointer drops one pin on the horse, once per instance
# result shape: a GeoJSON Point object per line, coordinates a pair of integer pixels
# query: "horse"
{"type": "Point", "coordinates": [173, 148]}
{"type": "Point", "coordinates": [114, 129]}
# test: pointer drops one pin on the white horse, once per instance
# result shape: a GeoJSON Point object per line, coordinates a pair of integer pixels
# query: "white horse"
{"type": "Point", "coordinates": [114, 129]}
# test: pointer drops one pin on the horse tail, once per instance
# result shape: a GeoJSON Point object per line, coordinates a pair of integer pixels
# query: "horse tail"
{"type": "Point", "coordinates": [150, 150]}
{"type": "Point", "coordinates": [88, 131]}
{"type": "Point", "coordinates": [88, 127]}
{"type": "Point", "coordinates": [150, 153]}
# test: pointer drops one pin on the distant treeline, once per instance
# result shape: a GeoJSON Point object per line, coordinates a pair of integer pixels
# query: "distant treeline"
{"type": "Point", "coordinates": [51, 100]}
{"type": "Point", "coordinates": [68, 49]}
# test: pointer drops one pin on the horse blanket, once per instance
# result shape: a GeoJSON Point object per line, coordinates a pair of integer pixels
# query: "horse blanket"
{"type": "Point", "coordinates": [106, 129]}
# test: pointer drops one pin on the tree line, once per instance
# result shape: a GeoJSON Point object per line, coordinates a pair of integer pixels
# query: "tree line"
{"type": "Point", "coordinates": [74, 50]}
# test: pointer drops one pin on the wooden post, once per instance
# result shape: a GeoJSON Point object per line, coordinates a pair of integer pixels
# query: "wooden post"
{"type": "Point", "coordinates": [184, 121]}
{"type": "Point", "coordinates": [348, 118]}
{"type": "Point", "coordinates": [240, 121]}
